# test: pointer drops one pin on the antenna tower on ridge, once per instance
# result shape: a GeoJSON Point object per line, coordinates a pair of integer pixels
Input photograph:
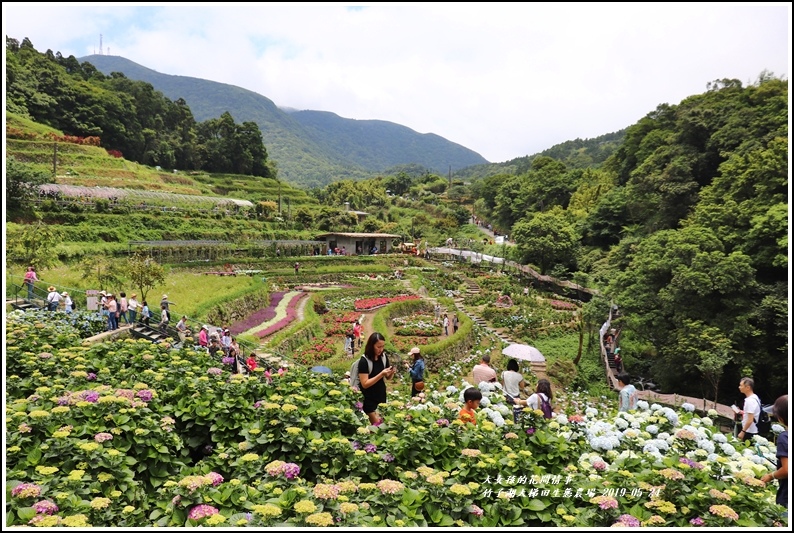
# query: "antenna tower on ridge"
{"type": "Point", "coordinates": [100, 44]}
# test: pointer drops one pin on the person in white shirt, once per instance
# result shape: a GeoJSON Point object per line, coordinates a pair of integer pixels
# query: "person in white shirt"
{"type": "Point", "coordinates": [53, 299]}
{"type": "Point", "coordinates": [751, 411]}
{"type": "Point", "coordinates": [511, 378]}
{"type": "Point", "coordinates": [67, 302]}
{"type": "Point", "coordinates": [132, 307]}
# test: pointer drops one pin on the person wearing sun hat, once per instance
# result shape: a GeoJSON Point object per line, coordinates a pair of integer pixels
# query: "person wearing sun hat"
{"type": "Point", "coordinates": [53, 298]}
{"type": "Point", "coordinates": [132, 307]}
{"type": "Point", "coordinates": [164, 302]}
{"type": "Point", "coordinates": [67, 302]}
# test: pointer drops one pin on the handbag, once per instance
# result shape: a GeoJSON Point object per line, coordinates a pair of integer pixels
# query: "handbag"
{"type": "Point", "coordinates": [419, 386]}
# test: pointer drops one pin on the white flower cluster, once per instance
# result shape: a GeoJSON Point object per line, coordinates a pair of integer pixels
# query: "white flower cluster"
{"type": "Point", "coordinates": [688, 407]}
{"type": "Point", "coordinates": [495, 416]}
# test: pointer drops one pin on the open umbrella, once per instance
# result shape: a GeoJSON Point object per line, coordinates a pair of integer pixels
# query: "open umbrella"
{"type": "Point", "coordinates": [322, 370]}
{"type": "Point", "coordinates": [525, 352]}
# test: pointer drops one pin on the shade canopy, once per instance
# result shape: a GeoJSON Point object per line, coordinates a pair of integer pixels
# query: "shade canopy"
{"type": "Point", "coordinates": [524, 352]}
{"type": "Point", "coordinates": [322, 370]}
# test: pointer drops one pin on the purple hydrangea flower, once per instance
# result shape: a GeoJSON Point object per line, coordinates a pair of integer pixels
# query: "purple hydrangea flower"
{"type": "Point", "coordinates": [214, 371]}
{"type": "Point", "coordinates": [291, 470]}
{"type": "Point", "coordinates": [45, 507]}
{"type": "Point", "coordinates": [146, 395]}
{"type": "Point", "coordinates": [530, 431]}
{"type": "Point", "coordinates": [359, 406]}
{"type": "Point", "coordinates": [102, 437]}
{"type": "Point", "coordinates": [90, 396]}
{"type": "Point", "coordinates": [202, 511]}
{"type": "Point", "coordinates": [443, 422]}
{"type": "Point", "coordinates": [370, 448]}
{"type": "Point", "coordinates": [697, 521]}
{"type": "Point", "coordinates": [355, 445]}
{"type": "Point", "coordinates": [628, 520]}
{"type": "Point", "coordinates": [216, 478]}
{"type": "Point", "coordinates": [91, 377]}
{"type": "Point", "coordinates": [63, 400]}
{"type": "Point", "coordinates": [388, 458]}
{"type": "Point", "coordinates": [227, 360]}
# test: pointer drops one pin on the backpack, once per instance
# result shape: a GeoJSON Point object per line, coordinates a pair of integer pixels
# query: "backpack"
{"type": "Point", "coordinates": [354, 381]}
{"type": "Point", "coordinates": [545, 405]}
{"type": "Point", "coordinates": [764, 422]}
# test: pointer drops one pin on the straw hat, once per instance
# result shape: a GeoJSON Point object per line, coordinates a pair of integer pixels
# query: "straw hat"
{"type": "Point", "coordinates": [51, 288]}
{"type": "Point", "coordinates": [64, 293]}
{"type": "Point", "coordinates": [415, 350]}
{"type": "Point", "coordinates": [134, 295]}
{"type": "Point", "coordinates": [165, 297]}
{"type": "Point", "coordinates": [103, 293]}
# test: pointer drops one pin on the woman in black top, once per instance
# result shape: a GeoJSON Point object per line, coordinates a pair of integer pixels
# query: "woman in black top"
{"type": "Point", "coordinates": [372, 385]}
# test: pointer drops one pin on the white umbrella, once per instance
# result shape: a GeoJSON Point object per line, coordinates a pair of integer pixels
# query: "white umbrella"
{"type": "Point", "coordinates": [525, 352]}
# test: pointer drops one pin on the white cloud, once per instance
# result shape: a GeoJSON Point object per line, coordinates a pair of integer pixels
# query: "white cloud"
{"type": "Point", "coordinates": [505, 80]}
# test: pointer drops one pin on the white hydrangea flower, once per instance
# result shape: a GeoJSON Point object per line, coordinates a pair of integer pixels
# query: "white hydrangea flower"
{"type": "Point", "coordinates": [655, 407]}
{"type": "Point", "coordinates": [663, 435]}
{"type": "Point", "coordinates": [688, 407]}
{"type": "Point", "coordinates": [452, 389]}
{"type": "Point", "coordinates": [695, 422]}
{"type": "Point", "coordinates": [719, 438]}
{"type": "Point", "coordinates": [591, 412]}
{"type": "Point", "coordinates": [712, 457]}
{"type": "Point", "coordinates": [486, 386]}
{"type": "Point", "coordinates": [561, 419]}
{"type": "Point", "coordinates": [713, 412]}
{"type": "Point", "coordinates": [727, 449]}
{"type": "Point", "coordinates": [650, 447]}
{"type": "Point", "coordinates": [653, 429]}
{"type": "Point", "coordinates": [485, 402]}
{"type": "Point", "coordinates": [707, 422]}
{"type": "Point", "coordinates": [706, 445]}
{"type": "Point", "coordinates": [642, 405]}
{"type": "Point", "coordinates": [778, 429]}
{"type": "Point", "coordinates": [621, 424]}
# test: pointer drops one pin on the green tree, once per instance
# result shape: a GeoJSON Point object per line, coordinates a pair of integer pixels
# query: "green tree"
{"type": "Point", "coordinates": [33, 245]}
{"type": "Point", "coordinates": [707, 349]}
{"type": "Point", "coordinates": [145, 273]}
{"type": "Point", "coordinates": [22, 185]}
{"type": "Point", "coordinates": [545, 240]}
{"type": "Point", "coordinates": [104, 270]}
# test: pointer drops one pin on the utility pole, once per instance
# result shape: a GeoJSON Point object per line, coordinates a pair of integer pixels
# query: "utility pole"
{"type": "Point", "coordinates": [55, 159]}
{"type": "Point", "coordinates": [450, 177]}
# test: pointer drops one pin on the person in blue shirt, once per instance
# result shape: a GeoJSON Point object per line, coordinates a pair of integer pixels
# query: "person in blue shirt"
{"type": "Point", "coordinates": [417, 371]}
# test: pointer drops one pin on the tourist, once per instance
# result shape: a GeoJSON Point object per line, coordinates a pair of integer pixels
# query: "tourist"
{"type": "Point", "coordinates": [123, 307]}
{"type": "Point", "coordinates": [30, 280]}
{"type": "Point", "coordinates": [181, 328]}
{"type": "Point", "coordinates": [751, 411]}
{"type": "Point", "coordinates": [113, 307]}
{"type": "Point", "coordinates": [780, 411]}
{"type": "Point", "coordinates": [67, 302]}
{"type": "Point", "coordinates": [373, 386]}
{"type": "Point", "coordinates": [471, 400]}
{"type": "Point", "coordinates": [132, 307]}
{"type": "Point", "coordinates": [541, 396]}
{"type": "Point", "coordinates": [483, 371]}
{"type": "Point", "coordinates": [512, 379]}
{"type": "Point", "coordinates": [417, 371]}
{"type": "Point", "coordinates": [53, 299]}
{"type": "Point", "coordinates": [627, 400]}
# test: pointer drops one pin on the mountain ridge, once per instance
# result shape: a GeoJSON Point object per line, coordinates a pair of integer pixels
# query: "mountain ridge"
{"type": "Point", "coordinates": [311, 148]}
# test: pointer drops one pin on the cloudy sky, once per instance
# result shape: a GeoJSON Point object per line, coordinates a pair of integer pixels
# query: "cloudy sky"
{"type": "Point", "coordinates": [505, 80]}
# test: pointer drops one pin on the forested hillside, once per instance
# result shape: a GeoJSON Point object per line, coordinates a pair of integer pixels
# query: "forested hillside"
{"type": "Point", "coordinates": [128, 118]}
{"type": "Point", "coordinates": [685, 225]}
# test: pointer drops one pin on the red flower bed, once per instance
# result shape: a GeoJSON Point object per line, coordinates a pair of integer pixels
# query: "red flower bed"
{"type": "Point", "coordinates": [339, 323]}
{"type": "Point", "coordinates": [371, 303]}
{"type": "Point", "coordinates": [316, 352]}
{"type": "Point", "coordinates": [73, 139]}
{"type": "Point", "coordinates": [564, 306]}
{"type": "Point", "coordinates": [263, 315]}
{"type": "Point", "coordinates": [403, 344]}
{"type": "Point", "coordinates": [292, 312]}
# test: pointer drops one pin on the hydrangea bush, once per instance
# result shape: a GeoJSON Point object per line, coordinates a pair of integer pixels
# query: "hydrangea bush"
{"type": "Point", "coordinates": [131, 434]}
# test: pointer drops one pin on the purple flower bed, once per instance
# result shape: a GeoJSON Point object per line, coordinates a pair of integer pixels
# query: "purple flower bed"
{"type": "Point", "coordinates": [291, 313]}
{"type": "Point", "coordinates": [263, 315]}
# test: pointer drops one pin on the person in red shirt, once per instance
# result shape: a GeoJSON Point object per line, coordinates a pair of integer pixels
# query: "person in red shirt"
{"type": "Point", "coordinates": [251, 362]}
